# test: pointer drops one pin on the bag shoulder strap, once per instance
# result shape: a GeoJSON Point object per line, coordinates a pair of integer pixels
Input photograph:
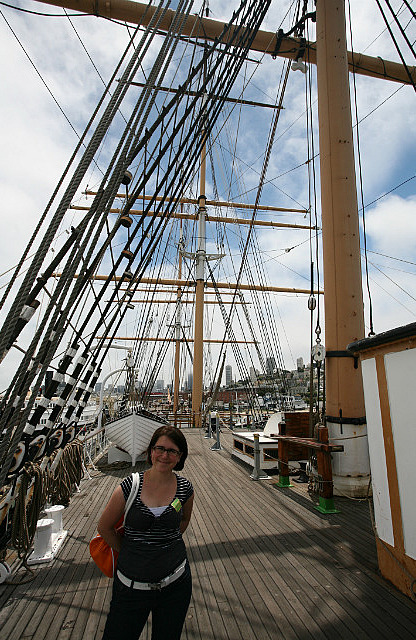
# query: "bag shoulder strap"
{"type": "Point", "coordinates": [133, 493]}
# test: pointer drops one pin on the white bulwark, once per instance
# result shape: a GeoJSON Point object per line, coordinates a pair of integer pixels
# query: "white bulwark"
{"type": "Point", "coordinates": [388, 364]}
{"type": "Point", "coordinates": [243, 444]}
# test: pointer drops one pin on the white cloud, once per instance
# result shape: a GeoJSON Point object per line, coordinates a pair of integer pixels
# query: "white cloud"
{"type": "Point", "coordinates": [391, 226]}
{"type": "Point", "coordinates": [391, 230]}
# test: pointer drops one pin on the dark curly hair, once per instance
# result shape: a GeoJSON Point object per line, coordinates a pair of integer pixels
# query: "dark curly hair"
{"type": "Point", "coordinates": [177, 437]}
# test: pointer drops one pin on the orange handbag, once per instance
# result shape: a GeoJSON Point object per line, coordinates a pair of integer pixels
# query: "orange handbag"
{"type": "Point", "coordinates": [103, 555]}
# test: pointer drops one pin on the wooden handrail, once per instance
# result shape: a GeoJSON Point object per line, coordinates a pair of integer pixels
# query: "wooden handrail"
{"type": "Point", "coordinates": [324, 450]}
{"type": "Point", "coordinates": [312, 443]}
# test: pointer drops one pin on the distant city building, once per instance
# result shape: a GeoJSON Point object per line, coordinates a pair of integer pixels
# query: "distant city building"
{"type": "Point", "coordinates": [160, 385]}
{"type": "Point", "coordinates": [190, 381]}
{"type": "Point", "coordinates": [299, 364]}
{"type": "Point", "coordinates": [98, 387]}
{"type": "Point", "coordinates": [228, 374]}
{"type": "Point", "coordinates": [253, 375]}
{"type": "Point", "coordinates": [270, 365]}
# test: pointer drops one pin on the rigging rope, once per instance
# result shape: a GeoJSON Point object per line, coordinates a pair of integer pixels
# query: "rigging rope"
{"type": "Point", "coordinates": [42, 349]}
{"type": "Point", "coordinates": [30, 500]}
{"type": "Point", "coordinates": [29, 283]}
{"type": "Point", "coordinates": [96, 137]}
{"type": "Point", "coordinates": [370, 306]}
{"type": "Point", "coordinates": [412, 82]}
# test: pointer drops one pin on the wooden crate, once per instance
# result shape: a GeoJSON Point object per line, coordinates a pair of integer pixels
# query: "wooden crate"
{"type": "Point", "coordinates": [297, 424]}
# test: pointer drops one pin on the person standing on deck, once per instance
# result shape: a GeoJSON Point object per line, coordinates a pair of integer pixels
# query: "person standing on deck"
{"type": "Point", "coordinates": [153, 573]}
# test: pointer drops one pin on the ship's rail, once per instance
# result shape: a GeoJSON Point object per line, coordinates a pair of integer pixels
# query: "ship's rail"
{"type": "Point", "coordinates": [323, 449]}
{"type": "Point", "coordinates": [95, 444]}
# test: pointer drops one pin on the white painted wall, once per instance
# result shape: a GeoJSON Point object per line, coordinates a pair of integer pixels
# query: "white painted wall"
{"type": "Point", "coordinates": [381, 494]}
{"type": "Point", "coordinates": [401, 383]}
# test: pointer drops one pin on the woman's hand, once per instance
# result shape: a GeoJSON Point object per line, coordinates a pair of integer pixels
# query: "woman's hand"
{"type": "Point", "coordinates": [109, 518]}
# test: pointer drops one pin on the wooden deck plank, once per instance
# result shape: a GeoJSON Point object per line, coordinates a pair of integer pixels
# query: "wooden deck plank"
{"type": "Point", "coordinates": [266, 565]}
{"type": "Point", "coordinates": [201, 601]}
{"type": "Point", "coordinates": [291, 571]}
{"type": "Point", "coordinates": [61, 574]}
{"type": "Point", "coordinates": [264, 571]}
{"type": "Point", "coordinates": [241, 592]}
{"type": "Point", "coordinates": [359, 623]}
{"type": "Point", "coordinates": [349, 579]}
{"type": "Point", "coordinates": [219, 584]}
{"type": "Point", "coordinates": [221, 534]}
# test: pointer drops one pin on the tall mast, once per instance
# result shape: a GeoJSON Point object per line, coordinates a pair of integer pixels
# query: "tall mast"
{"type": "Point", "coordinates": [198, 369]}
{"type": "Point", "coordinates": [178, 324]}
{"type": "Point", "coordinates": [344, 315]}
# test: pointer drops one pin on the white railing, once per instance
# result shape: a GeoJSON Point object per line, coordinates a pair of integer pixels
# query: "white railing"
{"type": "Point", "coordinates": [95, 444]}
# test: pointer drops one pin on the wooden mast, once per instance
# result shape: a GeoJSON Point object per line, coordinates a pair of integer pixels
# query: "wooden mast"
{"type": "Point", "coordinates": [198, 364]}
{"type": "Point", "coordinates": [344, 315]}
{"type": "Point", "coordinates": [178, 321]}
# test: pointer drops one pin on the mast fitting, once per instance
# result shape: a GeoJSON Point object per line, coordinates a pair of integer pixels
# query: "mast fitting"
{"type": "Point", "coordinates": [343, 354]}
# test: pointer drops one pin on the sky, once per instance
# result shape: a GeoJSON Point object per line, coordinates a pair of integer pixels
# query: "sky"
{"type": "Point", "coordinates": [50, 83]}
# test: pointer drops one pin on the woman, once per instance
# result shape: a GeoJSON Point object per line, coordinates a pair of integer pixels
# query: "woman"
{"type": "Point", "coordinates": [152, 573]}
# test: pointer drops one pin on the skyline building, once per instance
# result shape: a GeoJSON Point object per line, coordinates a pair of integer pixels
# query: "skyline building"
{"type": "Point", "coordinates": [270, 365]}
{"type": "Point", "coordinates": [190, 381]}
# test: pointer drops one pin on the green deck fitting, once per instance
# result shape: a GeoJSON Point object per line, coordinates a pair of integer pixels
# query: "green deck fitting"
{"type": "Point", "coordinates": [326, 505]}
{"type": "Point", "coordinates": [284, 481]}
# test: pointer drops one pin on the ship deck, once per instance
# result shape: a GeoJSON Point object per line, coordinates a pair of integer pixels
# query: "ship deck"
{"type": "Point", "coordinates": [266, 565]}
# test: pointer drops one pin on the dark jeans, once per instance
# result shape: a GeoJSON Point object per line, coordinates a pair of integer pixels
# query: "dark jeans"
{"type": "Point", "coordinates": [130, 608]}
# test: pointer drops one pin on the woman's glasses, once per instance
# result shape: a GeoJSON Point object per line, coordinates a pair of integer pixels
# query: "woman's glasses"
{"type": "Point", "coordinates": [170, 452]}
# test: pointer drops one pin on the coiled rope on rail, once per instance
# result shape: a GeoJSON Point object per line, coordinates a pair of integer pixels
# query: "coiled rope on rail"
{"type": "Point", "coordinates": [29, 502]}
{"type": "Point", "coordinates": [68, 473]}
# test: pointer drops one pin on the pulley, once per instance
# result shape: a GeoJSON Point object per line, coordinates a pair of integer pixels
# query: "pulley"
{"type": "Point", "coordinates": [126, 221]}
{"type": "Point", "coordinates": [127, 178]}
{"type": "Point", "coordinates": [126, 253]}
{"type": "Point", "coordinates": [318, 352]}
{"type": "Point", "coordinates": [312, 303]}
{"type": "Point", "coordinates": [299, 65]}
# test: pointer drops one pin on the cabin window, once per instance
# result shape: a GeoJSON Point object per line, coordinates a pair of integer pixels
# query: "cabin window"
{"type": "Point", "coordinates": [270, 454]}
{"type": "Point", "coordinates": [249, 450]}
{"type": "Point", "coordinates": [238, 445]}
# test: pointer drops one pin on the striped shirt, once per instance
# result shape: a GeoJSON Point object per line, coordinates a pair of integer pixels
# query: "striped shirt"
{"type": "Point", "coordinates": [152, 545]}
